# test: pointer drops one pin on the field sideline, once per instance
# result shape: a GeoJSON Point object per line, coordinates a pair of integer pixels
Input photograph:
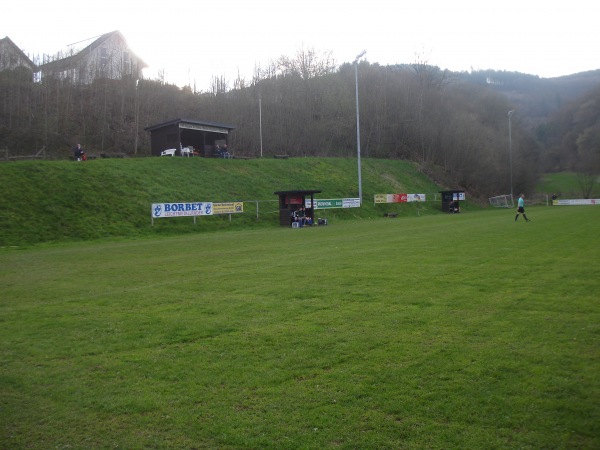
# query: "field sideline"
{"type": "Point", "coordinates": [442, 331]}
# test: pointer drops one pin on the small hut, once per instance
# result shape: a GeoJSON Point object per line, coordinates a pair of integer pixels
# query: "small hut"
{"type": "Point", "coordinates": [451, 200]}
{"type": "Point", "coordinates": [290, 201]}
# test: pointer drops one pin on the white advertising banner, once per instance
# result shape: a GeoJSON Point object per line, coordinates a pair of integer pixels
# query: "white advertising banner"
{"type": "Point", "coordinates": [351, 202]}
{"type": "Point", "coordinates": [160, 210]}
{"type": "Point", "coordinates": [415, 197]}
{"type": "Point", "coordinates": [577, 201]}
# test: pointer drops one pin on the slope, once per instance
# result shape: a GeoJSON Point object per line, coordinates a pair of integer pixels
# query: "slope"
{"type": "Point", "coordinates": [45, 201]}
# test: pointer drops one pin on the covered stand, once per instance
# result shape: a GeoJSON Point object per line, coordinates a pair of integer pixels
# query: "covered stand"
{"type": "Point", "coordinates": [181, 133]}
{"type": "Point", "coordinates": [451, 200]}
{"type": "Point", "coordinates": [290, 201]}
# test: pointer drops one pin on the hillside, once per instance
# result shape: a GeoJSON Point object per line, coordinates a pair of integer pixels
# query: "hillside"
{"type": "Point", "coordinates": [536, 99]}
{"type": "Point", "coordinates": [456, 121]}
{"type": "Point", "coordinates": [49, 201]}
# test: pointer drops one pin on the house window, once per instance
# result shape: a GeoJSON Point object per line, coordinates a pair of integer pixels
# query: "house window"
{"type": "Point", "coordinates": [126, 63]}
{"type": "Point", "coordinates": [103, 56]}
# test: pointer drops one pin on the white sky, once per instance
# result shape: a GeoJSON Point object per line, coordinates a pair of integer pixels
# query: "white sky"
{"type": "Point", "coordinates": [194, 40]}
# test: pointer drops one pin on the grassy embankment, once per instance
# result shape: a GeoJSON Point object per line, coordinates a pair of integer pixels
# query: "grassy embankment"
{"type": "Point", "coordinates": [44, 201]}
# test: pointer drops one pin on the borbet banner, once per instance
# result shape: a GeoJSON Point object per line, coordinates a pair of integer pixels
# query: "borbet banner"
{"type": "Point", "coordinates": [160, 210]}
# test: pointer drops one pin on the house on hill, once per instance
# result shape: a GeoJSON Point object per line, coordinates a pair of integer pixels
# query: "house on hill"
{"type": "Point", "coordinates": [12, 57]}
{"type": "Point", "coordinates": [108, 56]}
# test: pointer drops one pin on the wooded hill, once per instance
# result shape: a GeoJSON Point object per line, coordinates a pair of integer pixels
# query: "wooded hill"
{"type": "Point", "coordinates": [454, 125]}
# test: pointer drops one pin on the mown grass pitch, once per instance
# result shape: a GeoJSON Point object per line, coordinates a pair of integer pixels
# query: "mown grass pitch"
{"type": "Point", "coordinates": [447, 331]}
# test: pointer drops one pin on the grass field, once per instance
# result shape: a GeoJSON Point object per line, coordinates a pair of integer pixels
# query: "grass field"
{"type": "Point", "coordinates": [443, 331]}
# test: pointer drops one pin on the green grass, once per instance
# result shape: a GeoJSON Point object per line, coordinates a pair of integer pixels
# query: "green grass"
{"type": "Point", "coordinates": [566, 185]}
{"type": "Point", "coordinates": [443, 331]}
{"type": "Point", "coordinates": [59, 201]}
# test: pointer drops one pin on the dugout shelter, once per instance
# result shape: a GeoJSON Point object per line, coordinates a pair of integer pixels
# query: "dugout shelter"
{"type": "Point", "coordinates": [290, 201]}
{"type": "Point", "coordinates": [451, 196]}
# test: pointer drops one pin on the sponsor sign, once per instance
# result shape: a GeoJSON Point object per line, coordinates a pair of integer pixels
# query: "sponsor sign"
{"type": "Point", "coordinates": [160, 210]}
{"type": "Point", "coordinates": [324, 203]}
{"type": "Point", "coordinates": [293, 199]}
{"type": "Point", "coordinates": [380, 198]}
{"type": "Point", "coordinates": [333, 203]}
{"type": "Point", "coordinates": [577, 201]}
{"type": "Point", "coordinates": [228, 208]}
{"type": "Point", "coordinates": [351, 203]}
{"type": "Point", "coordinates": [390, 198]}
{"type": "Point", "coordinates": [415, 197]}
{"type": "Point", "coordinates": [399, 198]}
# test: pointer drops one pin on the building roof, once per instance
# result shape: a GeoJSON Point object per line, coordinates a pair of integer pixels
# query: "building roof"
{"type": "Point", "coordinates": [7, 41]}
{"type": "Point", "coordinates": [73, 59]}
{"type": "Point", "coordinates": [297, 192]}
{"type": "Point", "coordinates": [194, 124]}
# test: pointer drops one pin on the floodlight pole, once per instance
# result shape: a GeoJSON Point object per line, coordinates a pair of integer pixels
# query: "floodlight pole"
{"type": "Point", "coordinates": [260, 123]}
{"type": "Point", "coordinates": [510, 113]}
{"type": "Point", "coordinates": [360, 55]}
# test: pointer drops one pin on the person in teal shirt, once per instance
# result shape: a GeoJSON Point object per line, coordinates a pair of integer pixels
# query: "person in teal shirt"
{"type": "Point", "coordinates": [521, 208]}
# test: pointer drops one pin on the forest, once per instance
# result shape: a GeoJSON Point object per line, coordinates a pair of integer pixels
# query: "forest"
{"type": "Point", "coordinates": [455, 125]}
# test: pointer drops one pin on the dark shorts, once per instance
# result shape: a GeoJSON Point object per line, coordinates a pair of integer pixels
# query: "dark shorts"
{"type": "Point", "coordinates": [521, 209]}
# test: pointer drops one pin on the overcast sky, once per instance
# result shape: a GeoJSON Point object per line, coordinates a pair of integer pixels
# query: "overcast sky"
{"type": "Point", "coordinates": [194, 40]}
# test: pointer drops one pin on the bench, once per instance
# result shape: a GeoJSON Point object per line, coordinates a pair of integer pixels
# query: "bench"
{"type": "Point", "coordinates": [40, 154]}
{"type": "Point", "coordinates": [281, 156]}
{"type": "Point", "coordinates": [187, 151]}
{"type": "Point", "coordinates": [393, 214]}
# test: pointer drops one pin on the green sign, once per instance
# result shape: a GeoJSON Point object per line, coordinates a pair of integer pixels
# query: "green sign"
{"type": "Point", "coordinates": [325, 203]}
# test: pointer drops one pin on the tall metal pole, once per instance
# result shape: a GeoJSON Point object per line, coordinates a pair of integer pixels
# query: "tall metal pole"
{"type": "Point", "coordinates": [260, 123]}
{"type": "Point", "coordinates": [510, 113]}
{"type": "Point", "coordinates": [358, 126]}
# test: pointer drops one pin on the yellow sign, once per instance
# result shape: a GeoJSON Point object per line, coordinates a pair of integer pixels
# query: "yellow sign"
{"type": "Point", "coordinates": [381, 198]}
{"type": "Point", "coordinates": [228, 208]}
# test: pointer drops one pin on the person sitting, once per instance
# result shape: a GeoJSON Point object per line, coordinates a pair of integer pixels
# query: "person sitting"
{"type": "Point", "coordinates": [225, 152]}
{"type": "Point", "coordinates": [79, 153]}
{"type": "Point", "coordinates": [301, 215]}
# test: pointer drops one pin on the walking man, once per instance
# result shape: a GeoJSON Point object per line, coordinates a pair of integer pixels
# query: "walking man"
{"type": "Point", "coordinates": [521, 208]}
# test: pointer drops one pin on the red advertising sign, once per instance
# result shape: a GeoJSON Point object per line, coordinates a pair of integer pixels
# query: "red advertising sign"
{"type": "Point", "coordinates": [294, 199]}
{"type": "Point", "coordinates": [399, 198]}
